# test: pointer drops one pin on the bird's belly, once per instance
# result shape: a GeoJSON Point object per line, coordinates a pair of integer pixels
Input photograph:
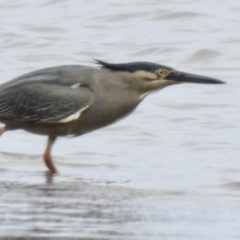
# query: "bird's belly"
{"type": "Point", "coordinates": [87, 122]}
{"type": "Point", "coordinates": [97, 116]}
{"type": "Point", "coordinates": [50, 129]}
{"type": "Point", "coordinates": [93, 119]}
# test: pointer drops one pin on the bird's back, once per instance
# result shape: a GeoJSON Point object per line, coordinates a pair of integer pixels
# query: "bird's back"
{"type": "Point", "coordinates": [65, 75]}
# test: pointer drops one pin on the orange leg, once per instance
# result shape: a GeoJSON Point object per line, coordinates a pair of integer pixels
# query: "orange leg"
{"type": "Point", "coordinates": [47, 155]}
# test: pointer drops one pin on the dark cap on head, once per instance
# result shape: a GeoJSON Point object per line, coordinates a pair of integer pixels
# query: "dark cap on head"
{"type": "Point", "coordinates": [132, 67]}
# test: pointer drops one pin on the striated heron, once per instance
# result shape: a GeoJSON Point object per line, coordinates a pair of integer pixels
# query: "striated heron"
{"type": "Point", "coordinates": [75, 99]}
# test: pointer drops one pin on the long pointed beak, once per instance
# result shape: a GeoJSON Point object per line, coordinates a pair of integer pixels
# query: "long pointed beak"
{"type": "Point", "coordinates": [181, 77]}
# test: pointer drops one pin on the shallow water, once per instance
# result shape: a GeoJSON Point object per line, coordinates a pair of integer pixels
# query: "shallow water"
{"type": "Point", "coordinates": [171, 170]}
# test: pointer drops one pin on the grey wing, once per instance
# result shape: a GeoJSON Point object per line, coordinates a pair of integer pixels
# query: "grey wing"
{"type": "Point", "coordinates": [44, 103]}
{"type": "Point", "coordinates": [66, 75]}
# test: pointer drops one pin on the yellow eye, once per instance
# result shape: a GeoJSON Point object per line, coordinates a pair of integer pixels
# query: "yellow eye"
{"type": "Point", "coordinates": [163, 73]}
{"type": "Point", "coordinates": [160, 72]}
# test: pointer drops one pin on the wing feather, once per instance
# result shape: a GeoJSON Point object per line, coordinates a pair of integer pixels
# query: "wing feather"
{"type": "Point", "coordinates": [43, 103]}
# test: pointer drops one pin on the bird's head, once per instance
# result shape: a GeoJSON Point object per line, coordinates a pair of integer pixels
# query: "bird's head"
{"type": "Point", "coordinates": [152, 76]}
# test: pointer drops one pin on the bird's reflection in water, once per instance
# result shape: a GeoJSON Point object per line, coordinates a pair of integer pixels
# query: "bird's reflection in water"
{"type": "Point", "coordinates": [49, 177]}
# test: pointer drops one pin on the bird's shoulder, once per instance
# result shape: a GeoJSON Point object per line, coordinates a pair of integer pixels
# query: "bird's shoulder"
{"type": "Point", "coordinates": [65, 75]}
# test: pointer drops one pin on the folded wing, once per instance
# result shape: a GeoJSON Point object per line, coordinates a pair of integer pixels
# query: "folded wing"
{"type": "Point", "coordinates": [44, 103]}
